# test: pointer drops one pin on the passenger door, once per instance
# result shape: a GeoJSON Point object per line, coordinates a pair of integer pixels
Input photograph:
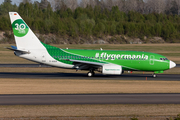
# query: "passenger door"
{"type": "Point", "coordinates": [152, 60]}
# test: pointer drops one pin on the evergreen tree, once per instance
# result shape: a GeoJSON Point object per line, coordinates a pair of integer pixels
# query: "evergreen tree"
{"type": "Point", "coordinates": [94, 20]}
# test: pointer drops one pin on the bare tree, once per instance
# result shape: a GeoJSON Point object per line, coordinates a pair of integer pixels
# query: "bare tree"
{"type": "Point", "coordinates": [55, 4]}
{"type": "Point", "coordinates": [97, 2]}
{"type": "Point", "coordinates": [178, 6]}
{"type": "Point", "coordinates": [72, 4]}
{"type": "Point", "coordinates": [168, 6]}
{"type": "Point", "coordinates": [58, 4]}
{"type": "Point", "coordinates": [25, 1]}
{"type": "Point", "coordinates": [131, 5]}
{"type": "Point", "coordinates": [140, 6]}
{"type": "Point", "coordinates": [102, 4]}
{"type": "Point", "coordinates": [147, 7]}
{"type": "Point", "coordinates": [7, 1]}
{"type": "Point", "coordinates": [161, 6]}
{"type": "Point", "coordinates": [84, 3]}
{"type": "Point", "coordinates": [93, 3]}
{"type": "Point", "coordinates": [109, 4]}
{"type": "Point", "coordinates": [120, 4]}
{"type": "Point", "coordinates": [44, 4]}
{"type": "Point", "coordinates": [157, 6]}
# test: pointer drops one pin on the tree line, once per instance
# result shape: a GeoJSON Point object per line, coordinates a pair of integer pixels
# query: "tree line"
{"type": "Point", "coordinates": [97, 18]}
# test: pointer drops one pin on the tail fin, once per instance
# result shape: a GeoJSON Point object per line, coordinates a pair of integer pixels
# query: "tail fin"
{"type": "Point", "coordinates": [24, 37]}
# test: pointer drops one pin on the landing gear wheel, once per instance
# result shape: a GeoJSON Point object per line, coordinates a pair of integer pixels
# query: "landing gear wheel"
{"type": "Point", "coordinates": [90, 74]}
{"type": "Point", "coordinates": [93, 73]}
{"type": "Point", "coordinates": [154, 75]}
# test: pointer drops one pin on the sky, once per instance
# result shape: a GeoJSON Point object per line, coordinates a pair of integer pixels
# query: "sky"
{"type": "Point", "coordinates": [17, 1]}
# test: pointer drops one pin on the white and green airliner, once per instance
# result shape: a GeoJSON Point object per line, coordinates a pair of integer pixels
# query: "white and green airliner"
{"type": "Point", "coordinates": [107, 62]}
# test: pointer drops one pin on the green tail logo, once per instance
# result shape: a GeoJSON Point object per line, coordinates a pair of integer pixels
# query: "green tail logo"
{"type": "Point", "coordinates": [20, 28]}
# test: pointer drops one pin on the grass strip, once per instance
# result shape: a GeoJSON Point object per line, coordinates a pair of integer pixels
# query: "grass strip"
{"type": "Point", "coordinates": [119, 110]}
{"type": "Point", "coordinates": [67, 86]}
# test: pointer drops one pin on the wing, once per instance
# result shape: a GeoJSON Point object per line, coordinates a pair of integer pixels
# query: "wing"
{"type": "Point", "coordinates": [85, 65]}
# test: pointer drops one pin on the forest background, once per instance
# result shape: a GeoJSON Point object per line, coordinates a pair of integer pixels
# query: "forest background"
{"type": "Point", "coordinates": [96, 21]}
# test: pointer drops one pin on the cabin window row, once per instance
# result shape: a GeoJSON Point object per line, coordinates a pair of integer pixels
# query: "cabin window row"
{"type": "Point", "coordinates": [163, 59]}
{"type": "Point", "coordinates": [99, 58]}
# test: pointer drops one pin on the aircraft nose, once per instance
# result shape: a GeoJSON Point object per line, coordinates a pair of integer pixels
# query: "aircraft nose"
{"type": "Point", "coordinates": [172, 64]}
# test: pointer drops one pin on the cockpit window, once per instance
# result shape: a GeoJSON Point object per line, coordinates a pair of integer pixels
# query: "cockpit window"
{"type": "Point", "coordinates": [163, 59]}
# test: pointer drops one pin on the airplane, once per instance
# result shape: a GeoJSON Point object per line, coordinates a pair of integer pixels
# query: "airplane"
{"type": "Point", "coordinates": [107, 62]}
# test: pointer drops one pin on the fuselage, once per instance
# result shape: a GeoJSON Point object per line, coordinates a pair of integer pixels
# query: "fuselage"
{"type": "Point", "coordinates": [129, 60]}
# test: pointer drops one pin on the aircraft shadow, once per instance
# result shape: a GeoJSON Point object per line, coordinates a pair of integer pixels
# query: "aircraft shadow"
{"type": "Point", "coordinates": [164, 77]}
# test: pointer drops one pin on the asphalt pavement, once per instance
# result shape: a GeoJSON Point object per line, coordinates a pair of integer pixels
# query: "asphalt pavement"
{"type": "Point", "coordinates": [83, 76]}
{"type": "Point", "coordinates": [58, 99]}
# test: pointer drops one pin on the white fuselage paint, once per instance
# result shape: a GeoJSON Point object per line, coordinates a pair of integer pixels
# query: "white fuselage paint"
{"type": "Point", "coordinates": [42, 56]}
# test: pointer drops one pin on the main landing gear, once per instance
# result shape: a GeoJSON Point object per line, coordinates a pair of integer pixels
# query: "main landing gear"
{"type": "Point", "coordinates": [90, 74]}
{"type": "Point", "coordinates": [154, 75]}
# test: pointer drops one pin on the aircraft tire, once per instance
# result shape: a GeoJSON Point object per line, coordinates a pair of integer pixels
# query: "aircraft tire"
{"type": "Point", "coordinates": [90, 74]}
{"type": "Point", "coordinates": [154, 75]}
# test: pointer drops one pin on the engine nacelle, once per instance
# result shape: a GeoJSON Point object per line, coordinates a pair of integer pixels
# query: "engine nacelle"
{"type": "Point", "coordinates": [110, 69]}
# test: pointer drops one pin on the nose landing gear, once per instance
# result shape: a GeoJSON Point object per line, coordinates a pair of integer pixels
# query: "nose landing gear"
{"type": "Point", "coordinates": [154, 75]}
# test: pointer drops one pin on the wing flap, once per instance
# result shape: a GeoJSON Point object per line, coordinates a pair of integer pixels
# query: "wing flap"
{"type": "Point", "coordinates": [85, 62]}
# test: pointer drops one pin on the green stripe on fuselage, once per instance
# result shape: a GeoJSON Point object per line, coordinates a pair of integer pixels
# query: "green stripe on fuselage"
{"type": "Point", "coordinates": [60, 55]}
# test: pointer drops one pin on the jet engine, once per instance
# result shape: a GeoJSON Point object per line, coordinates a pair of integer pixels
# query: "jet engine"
{"type": "Point", "coordinates": [111, 69]}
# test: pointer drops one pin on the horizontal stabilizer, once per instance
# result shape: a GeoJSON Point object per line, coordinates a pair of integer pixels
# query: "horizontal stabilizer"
{"type": "Point", "coordinates": [14, 48]}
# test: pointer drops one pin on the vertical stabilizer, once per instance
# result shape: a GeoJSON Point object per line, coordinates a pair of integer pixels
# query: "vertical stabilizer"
{"type": "Point", "coordinates": [24, 37]}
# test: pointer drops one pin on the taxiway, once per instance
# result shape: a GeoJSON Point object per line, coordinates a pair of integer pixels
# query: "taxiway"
{"type": "Point", "coordinates": [57, 99]}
